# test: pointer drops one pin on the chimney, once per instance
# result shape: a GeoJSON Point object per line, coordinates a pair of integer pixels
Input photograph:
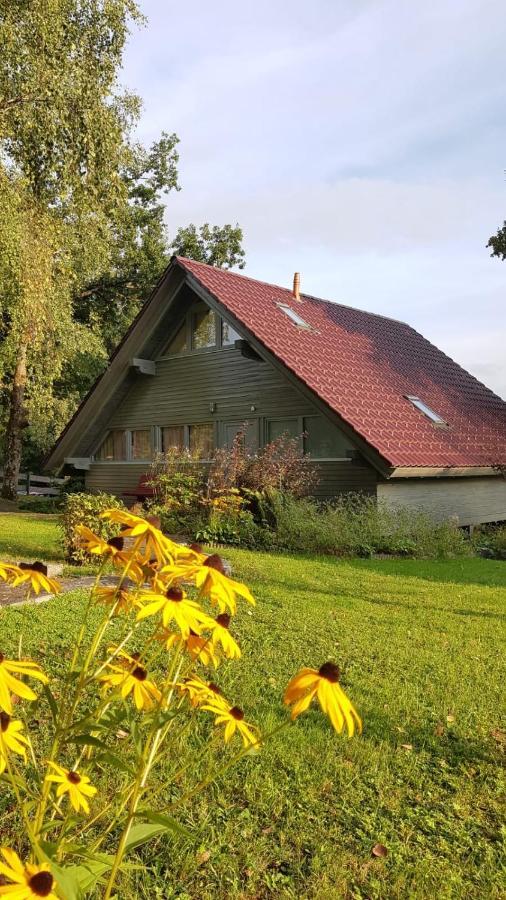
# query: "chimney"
{"type": "Point", "coordinates": [296, 287]}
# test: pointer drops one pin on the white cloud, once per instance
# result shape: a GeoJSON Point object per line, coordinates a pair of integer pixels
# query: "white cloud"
{"type": "Point", "coordinates": [360, 142]}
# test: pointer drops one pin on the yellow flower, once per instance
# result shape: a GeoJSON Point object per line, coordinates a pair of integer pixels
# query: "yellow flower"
{"type": "Point", "coordinates": [174, 606]}
{"type": "Point", "coordinates": [221, 635]}
{"type": "Point", "coordinates": [11, 739]}
{"type": "Point", "coordinates": [133, 681]}
{"type": "Point", "coordinates": [112, 548]}
{"type": "Point", "coordinates": [323, 684]}
{"type": "Point", "coordinates": [36, 574]}
{"type": "Point", "coordinates": [8, 571]}
{"type": "Point", "coordinates": [209, 576]}
{"type": "Point", "coordinates": [200, 648]}
{"type": "Point", "coordinates": [74, 784]}
{"type": "Point", "coordinates": [26, 881]}
{"type": "Point", "coordinates": [9, 684]}
{"type": "Point", "coordinates": [124, 599]}
{"type": "Point", "coordinates": [155, 543]}
{"type": "Point", "coordinates": [200, 691]}
{"type": "Point", "coordinates": [232, 717]}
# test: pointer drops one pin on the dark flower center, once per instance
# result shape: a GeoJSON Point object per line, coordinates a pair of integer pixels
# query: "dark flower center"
{"type": "Point", "coordinates": [116, 542]}
{"type": "Point", "coordinates": [215, 562]}
{"type": "Point", "coordinates": [2, 657]}
{"type": "Point", "coordinates": [4, 721]}
{"type": "Point", "coordinates": [41, 884]}
{"type": "Point", "coordinates": [330, 671]}
{"type": "Point", "coordinates": [139, 673]}
{"type": "Point", "coordinates": [34, 567]}
{"type": "Point", "coordinates": [195, 547]}
{"type": "Point", "coordinates": [237, 713]}
{"type": "Point", "coordinates": [174, 593]}
{"type": "Point", "coordinates": [223, 619]}
{"type": "Point", "coordinates": [214, 688]}
{"type": "Point", "coordinates": [73, 777]}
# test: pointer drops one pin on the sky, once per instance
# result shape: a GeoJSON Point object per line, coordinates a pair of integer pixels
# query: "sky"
{"type": "Point", "coordinates": [360, 143]}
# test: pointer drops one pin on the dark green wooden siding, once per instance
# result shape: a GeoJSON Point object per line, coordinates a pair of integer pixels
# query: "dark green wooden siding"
{"type": "Point", "coordinates": [182, 392]}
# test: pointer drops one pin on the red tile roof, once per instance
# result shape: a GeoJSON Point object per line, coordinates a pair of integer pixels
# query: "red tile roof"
{"type": "Point", "coordinates": [363, 366]}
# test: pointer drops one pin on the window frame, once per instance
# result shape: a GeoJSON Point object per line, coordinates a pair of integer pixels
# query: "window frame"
{"type": "Point", "coordinates": [294, 316]}
{"type": "Point", "coordinates": [426, 410]}
{"type": "Point", "coordinates": [187, 323]}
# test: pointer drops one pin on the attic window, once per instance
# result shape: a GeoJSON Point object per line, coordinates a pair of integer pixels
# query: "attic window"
{"type": "Point", "coordinates": [295, 318]}
{"type": "Point", "coordinates": [426, 410]}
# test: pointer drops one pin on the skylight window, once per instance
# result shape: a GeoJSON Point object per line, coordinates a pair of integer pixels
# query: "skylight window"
{"type": "Point", "coordinates": [426, 410]}
{"type": "Point", "coordinates": [296, 319]}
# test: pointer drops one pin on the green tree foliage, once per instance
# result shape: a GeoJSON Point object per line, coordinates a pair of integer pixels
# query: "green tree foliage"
{"type": "Point", "coordinates": [64, 128]}
{"type": "Point", "coordinates": [82, 235]}
{"type": "Point", "coordinates": [498, 243]}
{"type": "Point", "coordinates": [138, 243]}
{"type": "Point", "coordinates": [221, 247]}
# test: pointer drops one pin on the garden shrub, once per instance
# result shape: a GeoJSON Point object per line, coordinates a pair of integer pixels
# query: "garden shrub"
{"type": "Point", "coordinates": [39, 504]}
{"type": "Point", "coordinates": [491, 538]}
{"type": "Point", "coordinates": [358, 525]}
{"type": "Point", "coordinates": [85, 509]}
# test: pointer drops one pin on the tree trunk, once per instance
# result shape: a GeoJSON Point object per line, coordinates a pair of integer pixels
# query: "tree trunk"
{"type": "Point", "coordinates": [17, 422]}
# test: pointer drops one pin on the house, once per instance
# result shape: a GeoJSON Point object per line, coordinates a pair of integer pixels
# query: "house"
{"type": "Point", "coordinates": [383, 410]}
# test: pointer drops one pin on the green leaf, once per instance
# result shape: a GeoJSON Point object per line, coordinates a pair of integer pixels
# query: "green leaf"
{"type": "Point", "coordinates": [115, 762]}
{"type": "Point", "coordinates": [89, 873]}
{"type": "Point", "coordinates": [88, 740]}
{"type": "Point", "coordinates": [167, 822]}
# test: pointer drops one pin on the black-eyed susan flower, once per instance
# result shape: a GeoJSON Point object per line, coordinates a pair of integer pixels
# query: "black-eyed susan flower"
{"type": "Point", "coordinates": [76, 785]}
{"type": "Point", "coordinates": [146, 535]}
{"type": "Point", "coordinates": [324, 685]}
{"type": "Point", "coordinates": [174, 606]}
{"type": "Point", "coordinates": [209, 576]}
{"type": "Point", "coordinates": [200, 691]}
{"type": "Point", "coordinates": [11, 685]}
{"type": "Point", "coordinates": [221, 635]}
{"type": "Point", "coordinates": [12, 740]}
{"type": "Point", "coordinates": [199, 647]}
{"type": "Point", "coordinates": [112, 549]}
{"type": "Point", "coordinates": [36, 576]}
{"type": "Point", "coordinates": [123, 599]}
{"type": "Point", "coordinates": [130, 677]}
{"type": "Point", "coordinates": [25, 881]}
{"type": "Point", "coordinates": [232, 717]}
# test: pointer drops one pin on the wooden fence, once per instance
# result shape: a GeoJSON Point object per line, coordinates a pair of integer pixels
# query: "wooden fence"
{"type": "Point", "coordinates": [41, 485]}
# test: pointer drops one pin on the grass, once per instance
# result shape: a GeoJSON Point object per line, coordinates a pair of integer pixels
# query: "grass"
{"type": "Point", "coordinates": [29, 536]}
{"type": "Point", "coordinates": [420, 645]}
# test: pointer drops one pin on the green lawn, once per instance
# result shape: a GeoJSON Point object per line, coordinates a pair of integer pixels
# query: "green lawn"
{"type": "Point", "coordinates": [29, 536]}
{"type": "Point", "coordinates": [421, 645]}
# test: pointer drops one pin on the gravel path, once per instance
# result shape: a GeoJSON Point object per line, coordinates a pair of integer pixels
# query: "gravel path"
{"type": "Point", "coordinates": [9, 595]}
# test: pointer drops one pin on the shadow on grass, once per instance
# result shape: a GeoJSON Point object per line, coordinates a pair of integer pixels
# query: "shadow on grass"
{"type": "Point", "coordinates": [454, 749]}
{"type": "Point", "coordinates": [474, 570]}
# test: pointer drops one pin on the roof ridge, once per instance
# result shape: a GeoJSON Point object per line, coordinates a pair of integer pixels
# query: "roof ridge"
{"type": "Point", "coordinates": [279, 287]}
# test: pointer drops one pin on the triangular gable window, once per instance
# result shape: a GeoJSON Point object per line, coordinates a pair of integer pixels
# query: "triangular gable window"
{"type": "Point", "coordinates": [179, 342]}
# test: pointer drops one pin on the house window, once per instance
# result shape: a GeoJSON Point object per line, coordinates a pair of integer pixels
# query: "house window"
{"type": "Point", "coordinates": [178, 343]}
{"type": "Point", "coordinates": [114, 447]}
{"type": "Point", "coordinates": [141, 444]}
{"type": "Point", "coordinates": [295, 318]}
{"type": "Point", "coordinates": [228, 334]}
{"type": "Point", "coordinates": [201, 440]}
{"type": "Point", "coordinates": [173, 438]}
{"type": "Point", "coordinates": [322, 440]}
{"type": "Point", "coordinates": [278, 427]}
{"type": "Point", "coordinates": [203, 329]}
{"type": "Point", "coordinates": [426, 410]}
